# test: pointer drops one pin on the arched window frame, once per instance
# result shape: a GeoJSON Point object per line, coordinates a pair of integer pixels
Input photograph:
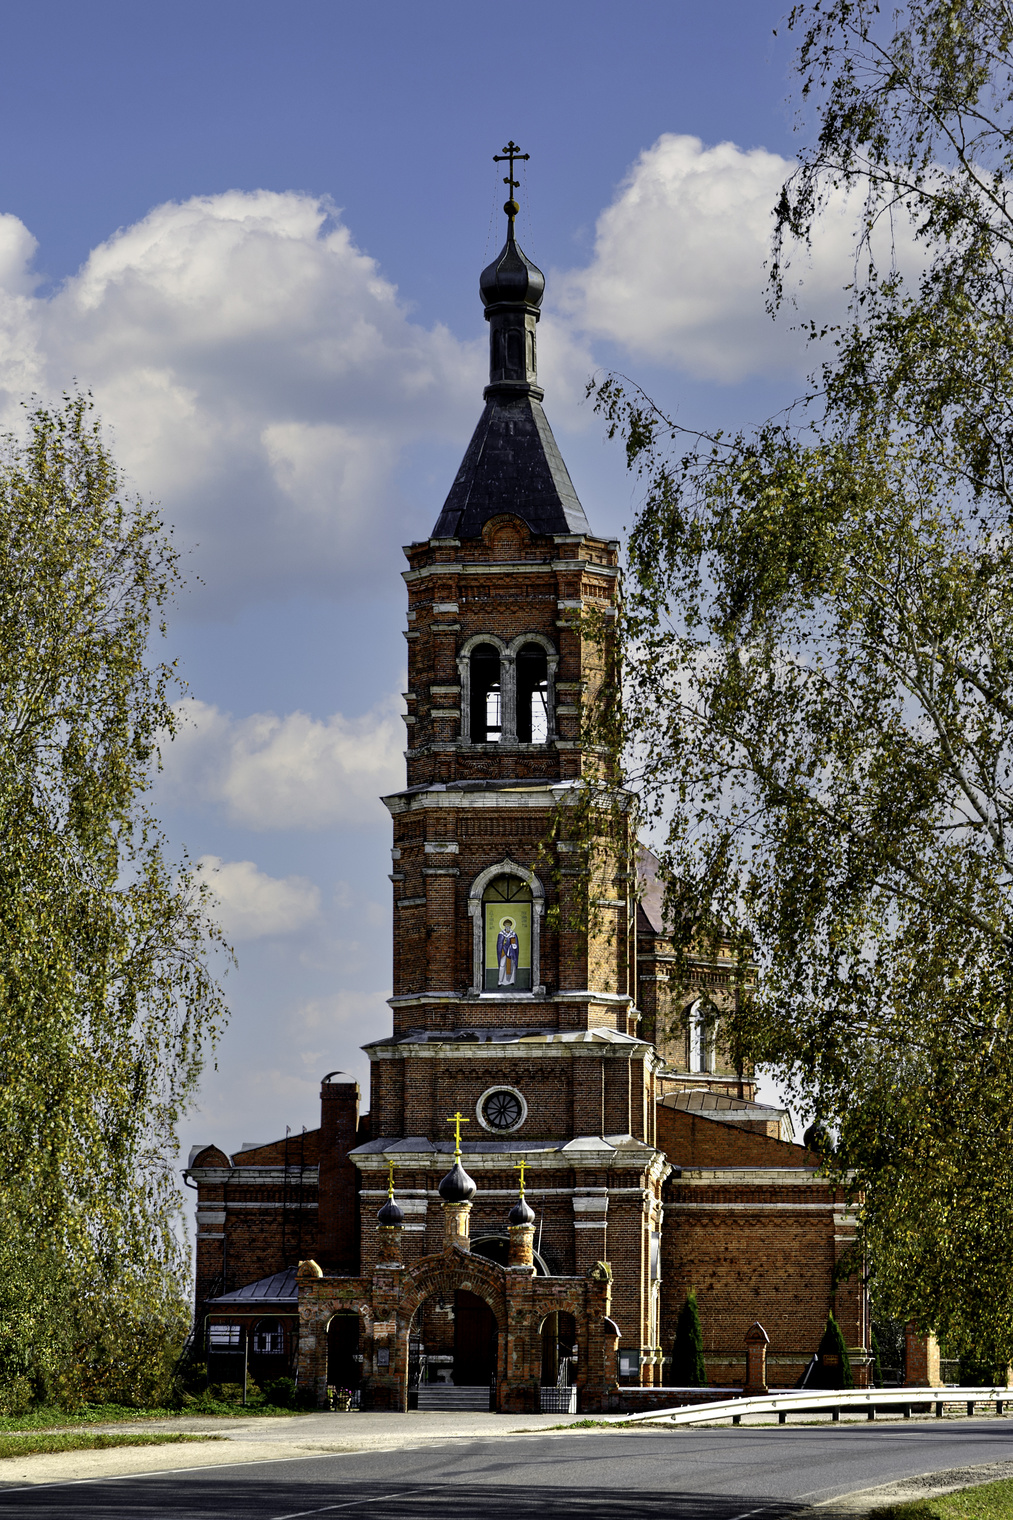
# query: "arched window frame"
{"type": "Point", "coordinates": [270, 1330]}
{"type": "Point", "coordinates": [476, 893]}
{"type": "Point", "coordinates": [508, 683]}
{"type": "Point", "coordinates": [464, 668]}
{"type": "Point", "coordinates": [702, 1038]}
{"type": "Point", "coordinates": [551, 661]}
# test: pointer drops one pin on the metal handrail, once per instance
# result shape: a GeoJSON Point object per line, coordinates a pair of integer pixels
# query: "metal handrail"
{"type": "Point", "coordinates": [834, 1401]}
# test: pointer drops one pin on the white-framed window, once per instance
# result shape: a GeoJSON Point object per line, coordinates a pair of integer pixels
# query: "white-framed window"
{"type": "Point", "coordinates": [225, 1337]}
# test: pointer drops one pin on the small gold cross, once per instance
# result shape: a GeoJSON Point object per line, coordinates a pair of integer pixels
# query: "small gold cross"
{"type": "Point", "coordinates": [390, 1186]}
{"type": "Point", "coordinates": [457, 1121]}
{"type": "Point", "coordinates": [519, 1167]}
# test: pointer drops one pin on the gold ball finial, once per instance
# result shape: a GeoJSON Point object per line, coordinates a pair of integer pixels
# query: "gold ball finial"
{"type": "Point", "coordinates": [511, 208]}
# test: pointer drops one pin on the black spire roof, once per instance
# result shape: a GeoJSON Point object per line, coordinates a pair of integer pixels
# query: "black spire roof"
{"type": "Point", "coordinates": [512, 463]}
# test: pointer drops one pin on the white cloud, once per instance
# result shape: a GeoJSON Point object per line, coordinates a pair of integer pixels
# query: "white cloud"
{"type": "Point", "coordinates": [259, 376]}
{"type": "Point", "coordinates": [292, 772]}
{"type": "Point", "coordinates": [678, 275]}
{"type": "Point", "coordinates": [252, 904]}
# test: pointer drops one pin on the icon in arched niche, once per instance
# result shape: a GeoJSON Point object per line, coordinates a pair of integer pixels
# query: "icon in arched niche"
{"type": "Point", "coordinates": [507, 903]}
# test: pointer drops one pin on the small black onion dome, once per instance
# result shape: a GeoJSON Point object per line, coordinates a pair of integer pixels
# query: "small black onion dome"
{"type": "Point", "coordinates": [511, 278]}
{"type": "Point", "coordinates": [521, 1213]}
{"type": "Point", "coordinates": [457, 1186]}
{"type": "Point", "coordinates": [391, 1213]}
{"type": "Point", "coordinates": [819, 1139]}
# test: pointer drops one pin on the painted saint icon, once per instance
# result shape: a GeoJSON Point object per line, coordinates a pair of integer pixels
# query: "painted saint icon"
{"type": "Point", "coordinates": [507, 952]}
{"type": "Point", "coordinates": [506, 913]}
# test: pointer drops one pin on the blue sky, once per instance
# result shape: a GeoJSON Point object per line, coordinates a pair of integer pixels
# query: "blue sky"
{"type": "Point", "coordinates": [255, 232]}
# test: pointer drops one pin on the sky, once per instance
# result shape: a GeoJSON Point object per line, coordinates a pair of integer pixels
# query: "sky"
{"type": "Point", "coordinates": [254, 231]}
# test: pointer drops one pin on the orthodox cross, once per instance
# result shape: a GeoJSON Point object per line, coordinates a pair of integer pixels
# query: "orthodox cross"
{"type": "Point", "coordinates": [519, 1167]}
{"type": "Point", "coordinates": [390, 1184]}
{"type": "Point", "coordinates": [509, 154]}
{"type": "Point", "coordinates": [457, 1121]}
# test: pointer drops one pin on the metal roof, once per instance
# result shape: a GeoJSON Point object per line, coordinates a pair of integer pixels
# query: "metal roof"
{"type": "Point", "coordinates": [278, 1289]}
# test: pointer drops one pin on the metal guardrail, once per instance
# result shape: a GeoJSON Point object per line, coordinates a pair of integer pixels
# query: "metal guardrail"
{"type": "Point", "coordinates": [834, 1402]}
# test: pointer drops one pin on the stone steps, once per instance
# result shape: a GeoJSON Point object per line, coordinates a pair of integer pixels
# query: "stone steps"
{"type": "Point", "coordinates": [447, 1396]}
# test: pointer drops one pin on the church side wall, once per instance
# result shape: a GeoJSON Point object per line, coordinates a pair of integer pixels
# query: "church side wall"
{"type": "Point", "coordinates": [755, 1245]}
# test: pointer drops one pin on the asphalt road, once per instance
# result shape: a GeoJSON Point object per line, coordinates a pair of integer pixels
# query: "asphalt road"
{"type": "Point", "coordinates": [718, 1474]}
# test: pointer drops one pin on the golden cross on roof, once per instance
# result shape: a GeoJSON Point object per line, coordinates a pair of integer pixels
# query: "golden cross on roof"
{"type": "Point", "coordinates": [457, 1121]}
{"type": "Point", "coordinates": [390, 1183]}
{"type": "Point", "coordinates": [519, 1167]}
{"type": "Point", "coordinates": [509, 154]}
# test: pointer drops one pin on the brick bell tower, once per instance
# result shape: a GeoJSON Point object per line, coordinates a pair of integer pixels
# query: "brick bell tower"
{"type": "Point", "coordinates": [502, 1010]}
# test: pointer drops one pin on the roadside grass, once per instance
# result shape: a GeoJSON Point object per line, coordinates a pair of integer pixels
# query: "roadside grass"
{"type": "Point", "coordinates": [51, 1416]}
{"type": "Point", "coordinates": [597, 1425]}
{"type": "Point", "coordinates": [40, 1443]}
{"type": "Point", "coordinates": [992, 1501]}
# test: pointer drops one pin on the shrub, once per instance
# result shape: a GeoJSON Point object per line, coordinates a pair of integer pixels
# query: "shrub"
{"type": "Point", "coordinates": [688, 1370]}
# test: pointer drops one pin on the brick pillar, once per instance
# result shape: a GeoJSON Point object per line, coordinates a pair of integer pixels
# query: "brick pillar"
{"type": "Point", "coordinates": [757, 1341]}
{"type": "Point", "coordinates": [457, 1225]}
{"type": "Point", "coordinates": [921, 1360]}
{"type": "Point", "coordinates": [388, 1239]}
{"type": "Point", "coordinates": [311, 1369]}
{"type": "Point", "coordinates": [522, 1246]}
{"type": "Point", "coordinates": [338, 1212]}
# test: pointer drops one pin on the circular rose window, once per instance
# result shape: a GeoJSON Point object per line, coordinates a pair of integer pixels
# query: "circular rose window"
{"type": "Point", "coordinates": [502, 1109]}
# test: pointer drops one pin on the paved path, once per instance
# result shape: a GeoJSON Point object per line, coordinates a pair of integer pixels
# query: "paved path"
{"type": "Point", "coordinates": [690, 1474]}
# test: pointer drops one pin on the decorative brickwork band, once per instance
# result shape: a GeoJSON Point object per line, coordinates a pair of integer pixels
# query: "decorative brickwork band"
{"type": "Point", "coordinates": [457, 1225]}
{"type": "Point", "coordinates": [757, 1341]}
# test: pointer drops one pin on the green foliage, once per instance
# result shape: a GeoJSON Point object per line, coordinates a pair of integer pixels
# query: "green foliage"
{"type": "Point", "coordinates": [106, 999]}
{"type": "Point", "coordinates": [833, 1365]}
{"type": "Point", "coordinates": [888, 1350]}
{"type": "Point", "coordinates": [280, 1391]}
{"type": "Point", "coordinates": [818, 678]}
{"type": "Point", "coordinates": [688, 1370]}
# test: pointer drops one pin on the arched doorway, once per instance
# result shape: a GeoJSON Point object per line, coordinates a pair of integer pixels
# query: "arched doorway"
{"type": "Point", "coordinates": [344, 1364]}
{"type": "Point", "coordinates": [476, 1339]}
{"type": "Point", "coordinates": [559, 1350]}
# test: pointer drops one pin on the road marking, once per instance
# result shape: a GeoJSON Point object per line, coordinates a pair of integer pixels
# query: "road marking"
{"type": "Point", "coordinates": [351, 1503]}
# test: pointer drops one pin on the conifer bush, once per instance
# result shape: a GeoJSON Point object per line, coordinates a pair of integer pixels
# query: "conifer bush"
{"type": "Point", "coordinates": [688, 1370]}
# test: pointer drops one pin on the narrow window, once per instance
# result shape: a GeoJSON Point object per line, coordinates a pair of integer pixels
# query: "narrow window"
{"type": "Point", "coordinates": [701, 1039]}
{"type": "Point", "coordinates": [506, 906]}
{"type": "Point", "coordinates": [532, 695]}
{"type": "Point", "coordinates": [486, 695]}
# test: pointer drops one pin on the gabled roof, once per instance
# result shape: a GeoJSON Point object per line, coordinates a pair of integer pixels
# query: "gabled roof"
{"type": "Point", "coordinates": [512, 464]}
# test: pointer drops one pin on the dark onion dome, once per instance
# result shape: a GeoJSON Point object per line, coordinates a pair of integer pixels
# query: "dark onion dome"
{"type": "Point", "coordinates": [457, 1186]}
{"type": "Point", "coordinates": [521, 1213]}
{"type": "Point", "coordinates": [511, 279]}
{"type": "Point", "coordinates": [391, 1213]}
{"type": "Point", "coordinates": [819, 1139]}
